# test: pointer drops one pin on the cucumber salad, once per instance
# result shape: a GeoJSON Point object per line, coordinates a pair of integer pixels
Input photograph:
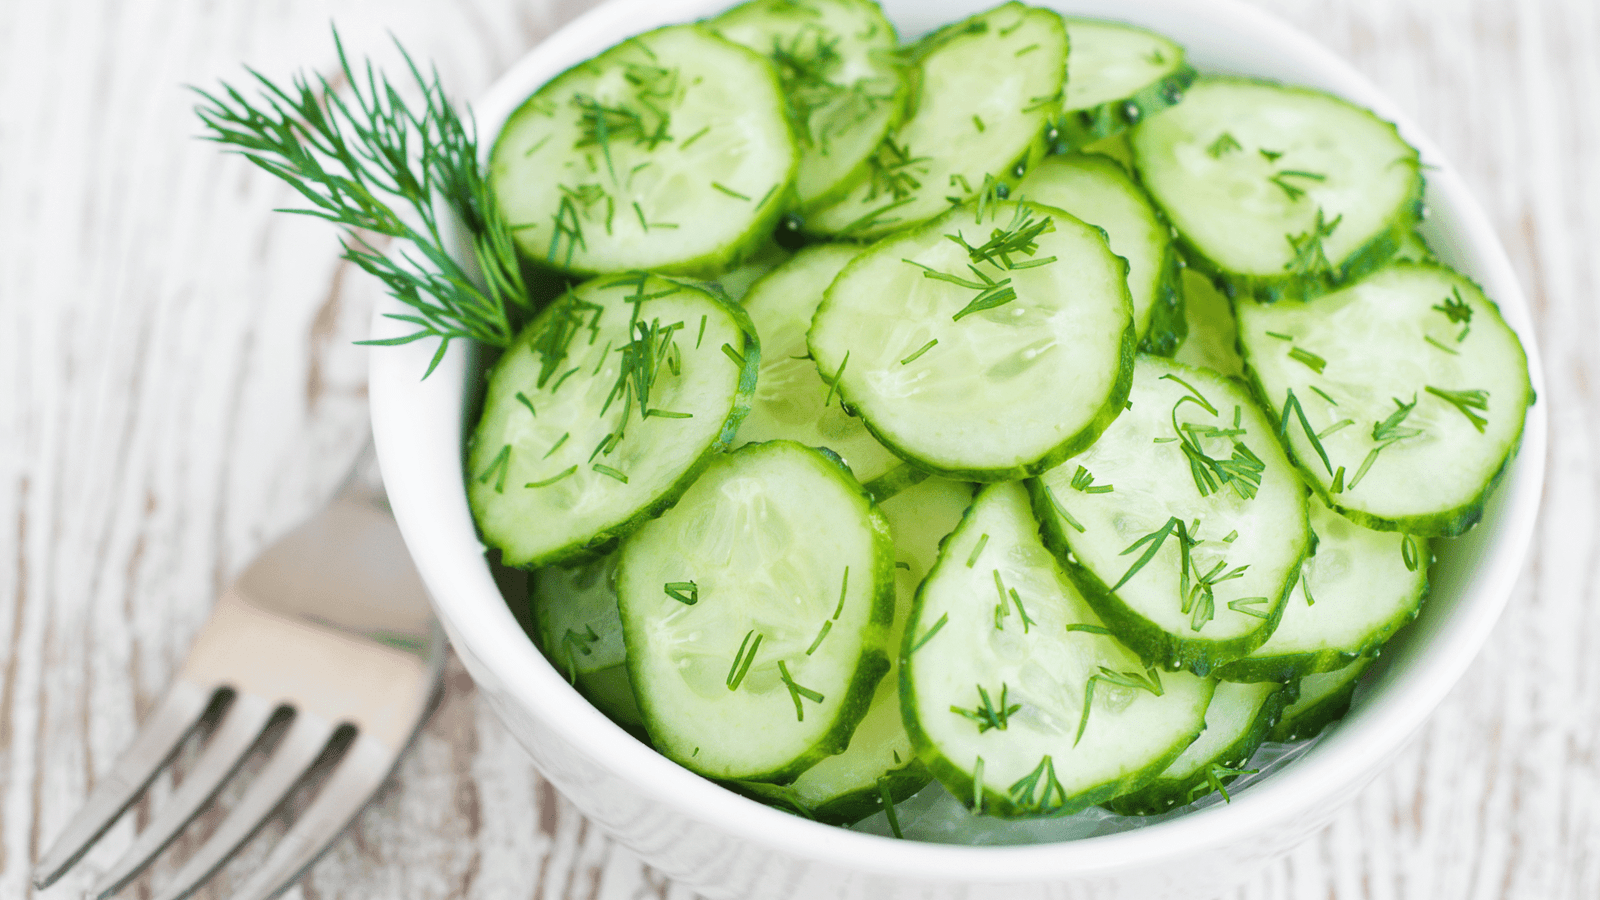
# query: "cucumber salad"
{"type": "Point", "coordinates": [871, 444]}
{"type": "Point", "coordinates": [1012, 420]}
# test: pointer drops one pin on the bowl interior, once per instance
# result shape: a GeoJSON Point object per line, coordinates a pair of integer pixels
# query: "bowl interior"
{"type": "Point", "coordinates": [420, 427]}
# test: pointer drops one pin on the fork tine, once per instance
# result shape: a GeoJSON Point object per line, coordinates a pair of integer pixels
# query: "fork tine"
{"type": "Point", "coordinates": [357, 776]}
{"type": "Point", "coordinates": [299, 747]}
{"type": "Point", "coordinates": [235, 735]}
{"type": "Point", "coordinates": [164, 729]}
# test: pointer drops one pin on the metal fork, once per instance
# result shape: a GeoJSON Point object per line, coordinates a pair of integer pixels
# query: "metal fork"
{"type": "Point", "coordinates": [330, 625]}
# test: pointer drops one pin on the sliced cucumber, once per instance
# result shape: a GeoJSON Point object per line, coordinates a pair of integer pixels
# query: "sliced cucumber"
{"type": "Point", "coordinates": [1237, 722]}
{"type": "Point", "coordinates": [669, 152]}
{"type": "Point", "coordinates": [1212, 339]}
{"type": "Point", "coordinates": [1282, 192]}
{"type": "Point", "coordinates": [1117, 75]}
{"type": "Point", "coordinates": [580, 632]}
{"type": "Point", "coordinates": [1356, 361]}
{"type": "Point", "coordinates": [792, 401]}
{"type": "Point", "coordinates": [880, 760]}
{"type": "Point", "coordinates": [756, 612]}
{"type": "Point", "coordinates": [984, 90]}
{"type": "Point", "coordinates": [836, 69]}
{"type": "Point", "coordinates": [1324, 699]}
{"type": "Point", "coordinates": [570, 453]}
{"type": "Point", "coordinates": [1184, 524]}
{"type": "Point", "coordinates": [1353, 594]}
{"type": "Point", "coordinates": [982, 365]}
{"type": "Point", "coordinates": [1099, 191]}
{"type": "Point", "coordinates": [1015, 696]}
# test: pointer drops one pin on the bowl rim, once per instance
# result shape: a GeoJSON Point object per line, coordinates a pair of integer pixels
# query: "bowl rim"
{"type": "Point", "coordinates": [427, 494]}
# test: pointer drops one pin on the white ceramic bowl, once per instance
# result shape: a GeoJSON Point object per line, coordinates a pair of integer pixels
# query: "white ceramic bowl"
{"type": "Point", "coordinates": [727, 846]}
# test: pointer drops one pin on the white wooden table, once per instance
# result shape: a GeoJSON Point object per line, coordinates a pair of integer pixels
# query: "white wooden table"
{"type": "Point", "coordinates": [179, 385]}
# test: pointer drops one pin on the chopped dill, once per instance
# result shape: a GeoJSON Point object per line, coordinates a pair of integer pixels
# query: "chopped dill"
{"type": "Point", "coordinates": [569, 470]}
{"type": "Point", "coordinates": [933, 630]}
{"type": "Point", "coordinates": [1225, 143]}
{"type": "Point", "coordinates": [502, 464]}
{"type": "Point", "coordinates": [685, 592]}
{"type": "Point", "coordinates": [986, 714]}
{"type": "Point", "coordinates": [1466, 401]}
{"type": "Point", "coordinates": [743, 659]}
{"type": "Point", "coordinates": [923, 349]}
{"type": "Point", "coordinates": [797, 691]}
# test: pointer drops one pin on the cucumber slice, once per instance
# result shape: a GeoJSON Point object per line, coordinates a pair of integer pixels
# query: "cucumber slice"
{"type": "Point", "coordinates": [1413, 333]}
{"type": "Point", "coordinates": [836, 69]}
{"type": "Point", "coordinates": [792, 401]}
{"type": "Point", "coordinates": [1099, 191]}
{"type": "Point", "coordinates": [1324, 699]}
{"type": "Point", "coordinates": [1185, 541]}
{"type": "Point", "coordinates": [575, 612]}
{"type": "Point", "coordinates": [580, 631]}
{"type": "Point", "coordinates": [1282, 192]}
{"type": "Point", "coordinates": [1363, 586]}
{"type": "Point", "coordinates": [1117, 75]}
{"type": "Point", "coordinates": [1001, 659]}
{"type": "Point", "coordinates": [880, 760]}
{"type": "Point", "coordinates": [956, 378]}
{"type": "Point", "coordinates": [550, 479]}
{"type": "Point", "coordinates": [978, 122]}
{"type": "Point", "coordinates": [1212, 339]}
{"type": "Point", "coordinates": [669, 152]}
{"type": "Point", "coordinates": [1237, 722]}
{"type": "Point", "coordinates": [756, 612]}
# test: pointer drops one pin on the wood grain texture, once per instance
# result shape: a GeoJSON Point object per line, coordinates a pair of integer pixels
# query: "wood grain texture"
{"type": "Point", "coordinates": [179, 385]}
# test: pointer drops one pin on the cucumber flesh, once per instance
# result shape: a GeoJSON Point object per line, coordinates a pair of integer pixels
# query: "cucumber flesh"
{"type": "Point", "coordinates": [1283, 192]}
{"type": "Point", "coordinates": [1363, 586]}
{"type": "Point", "coordinates": [975, 393]}
{"type": "Point", "coordinates": [669, 152]}
{"type": "Point", "coordinates": [790, 570]}
{"type": "Point", "coordinates": [575, 611]}
{"type": "Point", "coordinates": [1185, 578]}
{"type": "Point", "coordinates": [1116, 76]}
{"type": "Point", "coordinates": [1237, 722]}
{"type": "Point", "coordinates": [1323, 699]}
{"type": "Point", "coordinates": [1212, 339]}
{"type": "Point", "coordinates": [836, 72]}
{"type": "Point", "coordinates": [996, 669]}
{"type": "Point", "coordinates": [1100, 192]}
{"type": "Point", "coordinates": [980, 112]}
{"type": "Point", "coordinates": [1362, 355]}
{"type": "Point", "coordinates": [563, 461]}
{"type": "Point", "coordinates": [790, 394]}
{"type": "Point", "coordinates": [850, 786]}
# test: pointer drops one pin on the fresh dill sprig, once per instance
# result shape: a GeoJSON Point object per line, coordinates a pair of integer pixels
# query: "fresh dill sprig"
{"type": "Point", "coordinates": [376, 167]}
{"type": "Point", "coordinates": [986, 714]}
{"type": "Point", "coordinates": [1039, 791]}
{"type": "Point", "coordinates": [933, 630]}
{"type": "Point", "coordinates": [797, 691]}
{"type": "Point", "coordinates": [1083, 481]}
{"type": "Point", "coordinates": [1310, 259]}
{"type": "Point", "coordinates": [1149, 681]}
{"type": "Point", "coordinates": [1466, 401]}
{"type": "Point", "coordinates": [743, 659]}
{"type": "Point", "coordinates": [1020, 236]}
{"type": "Point", "coordinates": [1385, 433]}
{"type": "Point", "coordinates": [887, 798]}
{"type": "Point", "coordinates": [1295, 192]}
{"type": "Point", "coordinates": [1225, 143]}
{"type": "Point", "coordinates": [1242, 471]}
{"type": "Point", "coordinates": [685, 592]}
{"type": "Point", "coordinates": [1455, 308]}
{"type": "Point", "coordinates": [1291, 403]}
{"type": "Point", "coordinates": [1311, 360]}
